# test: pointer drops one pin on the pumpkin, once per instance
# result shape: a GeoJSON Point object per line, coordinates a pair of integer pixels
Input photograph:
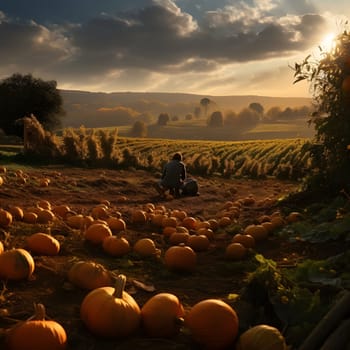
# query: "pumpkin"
{"type": "Point", "coordinates": [168, 230]}
{"type": "Point", "coordinates": [224, 221]}
{"type": "Point", "coordinates": [214, 225]}
{"type": "Point", "coordinates": [189, 222]}
{"type": "Point", "coordinates": [37, 333]}
{"type": "Point", "coordinates": [44, 204]}
{"type": "Point", "coordinates": [157, 219]}
{"type": "Point", "coordinates": [145, 247]}
{"type": "Point", "coordinates": [178, 237]}
{"type": "Point", "coordinates": [247, 240]}
{"type": "Point", "coordinates": [1, 180]}
{"type": "Point", "coordinates": [116, 246]}
{"type": "Point", "coordinates": [138, 216]}
{"type": "Point", "coordinates": [111, 311]}
{"type": "Point", "coordinates": [100, 212]}
{"type": "Point", "coordinates": [89, 275]}
{"type": "Point", "coordinates": [259, 232]}
{"type": "Point", "coordinates": [261, 337]}
{"type": "Point", "coordinates": [1, 247]}
{"type": "Point", "coordinates": [16, 212]}
{"type": "Point", "coordinates": [161, 315]}
{"type": "Point", "coordinates": [169, 221]}
{"type": "Point", "coordinates": [61, 210]}
{"type": "Point", "coordinates": [16, 264]}
{"type": "Point", "coordinates": [5, 218]}
{"type": "Point", "coordinates": [293, 216]}
{"type": "Point", "coordinates": [205, 231]}
{"type": "Point", "coordinates": [212, 323]}
{"type": "Point", "coordinates": [198, 243]}
{"type": "Point", "coordinates": [97, 232]}
{"type": "Point", "coordinates": [45, 216]}
{"type": "Point", "coordinates": [235, 251]}
{"type": "Point", "coordinates": [30, 217]}
{"type": "Point", "coordinates": [180, 258]}
{"type": "Point", "coordinates": [43, 244]}
{"type": "Point", "coordinates": [116, 224]}
{"type": "Point", "coordinates": [75, 221]}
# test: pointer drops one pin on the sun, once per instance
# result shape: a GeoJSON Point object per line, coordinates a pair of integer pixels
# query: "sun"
{"type": "Point", "coordinates": [328, 42]}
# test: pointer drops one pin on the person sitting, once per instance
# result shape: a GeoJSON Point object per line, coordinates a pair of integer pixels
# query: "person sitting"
{"type": "Point", "coordinates": [173, 176]}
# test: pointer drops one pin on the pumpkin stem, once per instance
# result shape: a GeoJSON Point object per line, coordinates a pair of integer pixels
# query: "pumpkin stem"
{"type": "Point", "coordinates": [119, 286]}
{"type": "Point", "coordinates": [39, 312]}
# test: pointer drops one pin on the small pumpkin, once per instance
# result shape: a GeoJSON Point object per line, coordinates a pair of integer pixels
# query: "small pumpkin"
{"type": "Point", "coordinates": [146, 247]}
{"type": "Point", "coordinates": [37, 333]}
{"type": "Point", "coordinates": [89, 275]}
{"type": "Point", "coordinates": [261, 337]}
{"type": "Point", "coordinates": [161, 315]}
{"type": "Point", "coordinates": [138, 216]}
{"type": "Point", "coordinates": [16, 264]}
{"type": "Point", "coordinates": [235, 251]}
{"type": "Point", "coordinates": [178, 237]}
{"type": "Point", "coordinates": [247, 240]}
{"type": "Point", "coordinates": [43, 244]}
{"type": "Point", "coordinates": [180, 258]}
{"type": "Point", "coordinates": [1, 247]}
{"type": "Point", "coordinates": [16, 212]}
{"type": "Point", "coordinates": [45, 216]}
{"type": "Point", "coordinates": [5, 218]}
{"type": "Point", "coordinates": [29, 217]}
{"type": "Point", "coordinates": [116, 224]}
{"type": "Point", "coordinates": [111, 311]}
{"type": "Point", "coordinates": [198, 243]}
{"type": "Point", "coordinates": [212, 324]}
{"type": "Point", "coordinates": [116, 246]}
{"type": "Point", "coordinates": [97, 232]}
{"type": "Point", "coordinates": [259, 232]}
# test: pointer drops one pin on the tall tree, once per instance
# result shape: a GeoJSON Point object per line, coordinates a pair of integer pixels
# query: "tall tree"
{"type": "Point", "coordinates": [24, 95]}
{"type": "Point", "coordinates": [329, 78]}
{"type": "Point", "coordinates": [205, 102]}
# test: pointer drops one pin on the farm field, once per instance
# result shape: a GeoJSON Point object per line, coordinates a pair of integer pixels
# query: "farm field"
{"type": "Point", "coordinates": [215, 276]}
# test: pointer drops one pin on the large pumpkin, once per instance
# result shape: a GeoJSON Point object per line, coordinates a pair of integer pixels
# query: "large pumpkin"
{"type": "Point", "coordinates": [89, 275]}
{"type": "Point", "coordinates": [111, 312]}
{"type": "Point", "coordinates": [161, 315]}
{"type": "Point", "coordinates": [37, 333]}
{"type": "Point", "coordinates": [16, 264]}
{"type": "Point", "coordinates": [261, 337]}
{"type": "Point", "coordinates": [212, 323]}
{"type": "Point", "coordinates": [43, 244]}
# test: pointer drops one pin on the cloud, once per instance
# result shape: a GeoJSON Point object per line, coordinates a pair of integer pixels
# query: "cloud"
{"type": "Point", "coordinates": [157, 40]}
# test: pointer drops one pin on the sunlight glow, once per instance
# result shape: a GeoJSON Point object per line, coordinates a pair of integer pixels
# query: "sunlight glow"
{"type": "Point", "coordinates": [327, 42]}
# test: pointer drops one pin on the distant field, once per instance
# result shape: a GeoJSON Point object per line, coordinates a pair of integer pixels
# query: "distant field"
{"type": "Point", "coordinates": [282, 158]}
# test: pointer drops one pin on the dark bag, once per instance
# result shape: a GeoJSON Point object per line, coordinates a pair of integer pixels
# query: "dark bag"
{"type": "Point", "coordinates": [190, 187]}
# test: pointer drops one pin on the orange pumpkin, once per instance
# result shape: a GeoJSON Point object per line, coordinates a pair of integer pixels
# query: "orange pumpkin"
{"type": "Point", "coordinates": [16, 264]}
{"type": "Point", "coordinates": [161, 315]}
{"type": "Point", "coordinates": [247, 240]}
{"type": "Point", "coordinates": [138, 216]}
{"type": "Point", "coordinates": [111, 311]}
{"type": "Point", "coordinates": [259, 232]}
{"type": "Point", "coordinates": [145, 247]}
{"type": "Point", "coordinates": [5, 218]}
{"type": "Point", "coordinates": [212, 323]}
{"type": "Point", "coordinates": [116, 246]}
{"type": "Point", "coordinates": [180, 258]}
{"type": "Point", "coordinates": [37, 333]}
{"type": "Point", "coordinates": [89, 275]}
{"type": "Point", "coordinates": [96, 233]}
{"type": "Point", "coordinates": [30, 217]}
{"type": "Point", "coordinates": [43, 244]}
{"type": "Point", "coordinates": [235, 251]}
{"type": "Point", "coordinates": [261, 337]}
{"type": "Point", "coordinates": [1, 247]}
{"type": "Point", "coordinates": [198, 243]}
{"type": "Point", "coordinates": [45, 216]}
{"type": "Point", "coordinates": [116, 224]}
{"type": "Point", "coordinates": [16, 212]}
{"type": "Point", "coordinates": [178, 237]}
{"type": "Point", "coordinates": [61, 210]}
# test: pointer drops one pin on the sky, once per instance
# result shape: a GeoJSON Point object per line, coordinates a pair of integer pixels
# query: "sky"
{"type": "Point", "coordinates": [206, 47]}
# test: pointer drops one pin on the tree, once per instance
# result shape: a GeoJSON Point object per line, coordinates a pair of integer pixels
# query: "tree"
{"type": "Point", "coordinates": [216, 119]}
{"type": "Point", "coordinates": [163, 119]}
{"type": "Point", "coordinates": [24, 95]}
{"type": "Point", "coordinates": [205, 102]}
{"type": "Point", "coordinates": [139, 129]}
{"type": "Point", "coordinates": [257, 107]}
{"type": "Point", "coordinates": [329, 79]}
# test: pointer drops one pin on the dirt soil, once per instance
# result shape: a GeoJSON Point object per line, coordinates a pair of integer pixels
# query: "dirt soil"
{"type": "Point", "coordinates": [83, 189]}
